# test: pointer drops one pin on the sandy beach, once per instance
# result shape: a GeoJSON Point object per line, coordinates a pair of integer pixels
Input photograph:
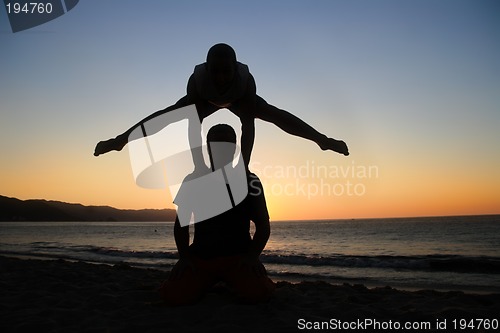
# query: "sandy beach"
{"type": "Point", "coordinates": [62, 296]}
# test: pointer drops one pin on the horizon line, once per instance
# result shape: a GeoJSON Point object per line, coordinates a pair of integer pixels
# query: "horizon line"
{"type": "Point", "coordinates": [283, 220]}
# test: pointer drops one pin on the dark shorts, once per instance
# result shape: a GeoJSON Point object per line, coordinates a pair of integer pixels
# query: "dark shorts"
{"type": "Point", "coordinates": [190, 286]}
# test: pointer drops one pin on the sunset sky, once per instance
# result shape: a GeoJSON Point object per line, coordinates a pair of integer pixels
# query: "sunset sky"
{"type": "Point", "coordinates": [413, 87]}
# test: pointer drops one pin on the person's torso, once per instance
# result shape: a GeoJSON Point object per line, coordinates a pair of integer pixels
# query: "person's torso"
{"type": "Point", "coordinates": [207, 90]}
{"type": "Point", "coordinates": [226, 234]}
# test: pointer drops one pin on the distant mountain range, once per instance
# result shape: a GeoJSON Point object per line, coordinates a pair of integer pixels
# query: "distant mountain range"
{"type": "Point", "coordinates": [12, 209]}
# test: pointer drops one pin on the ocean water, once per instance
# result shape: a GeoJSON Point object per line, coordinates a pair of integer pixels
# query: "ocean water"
{"type": "Point", "coordinates": [442, 253]}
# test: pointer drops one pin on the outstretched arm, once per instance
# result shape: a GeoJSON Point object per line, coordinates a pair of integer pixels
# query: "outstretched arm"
{"type": "Point", "coordinates": [295, 126]}
{"type": "Point", "coordinates": [121, 140]}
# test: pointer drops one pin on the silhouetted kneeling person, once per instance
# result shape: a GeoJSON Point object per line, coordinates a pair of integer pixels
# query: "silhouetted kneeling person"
{"type": "Point", "coordinates": [222, 248]}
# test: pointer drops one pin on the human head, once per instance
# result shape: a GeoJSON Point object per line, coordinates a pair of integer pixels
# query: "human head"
{"type": "Point", "coordinates": [221, 143]}
{"type": "Point", "coordinates": [221, 65]}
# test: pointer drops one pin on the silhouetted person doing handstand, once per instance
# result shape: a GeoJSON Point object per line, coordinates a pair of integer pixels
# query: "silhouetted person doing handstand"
{"type": "Point", "coordinates": [223, 82]}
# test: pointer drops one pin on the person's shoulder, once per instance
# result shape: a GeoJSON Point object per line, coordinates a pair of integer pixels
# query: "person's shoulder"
{"type": "Point", "coordinates": [254, 181]}
{"type": "Point", "coordinates": [199, 172]}
{"type": "Point", "coordinates": [186, 188]}
{"type": "Point", "coordinates": [200, 71]}
{"type": "Point", "coordinates": [252, 175]}
{"type": "Point", "coordinates": [246, 80]}
{"type": "Point", "coordinates": [242, 67]}
{"type": "Point", "coordinates": [243, 71]}
{"type": "Point", "coordinates": [198, 81]}
{"type": "Point", "coordinates": [200, 67]}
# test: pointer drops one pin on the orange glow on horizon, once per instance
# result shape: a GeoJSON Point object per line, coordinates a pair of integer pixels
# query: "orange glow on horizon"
{"type": "Point", "coordinates": [299, 183]}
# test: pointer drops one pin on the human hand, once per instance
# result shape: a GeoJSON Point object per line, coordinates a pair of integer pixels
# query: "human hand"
{"type": "Point", "coordinates": [338, 146]}
{"type": "Point", "coordinates": [112, 144]}
{"type": "Point", "coordinates": [180, 267]}
{"type": "Point", "coordinates": [253, 265]}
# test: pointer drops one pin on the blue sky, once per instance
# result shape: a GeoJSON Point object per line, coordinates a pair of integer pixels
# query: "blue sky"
{"type": "Point", "coordinates": [411, 86]}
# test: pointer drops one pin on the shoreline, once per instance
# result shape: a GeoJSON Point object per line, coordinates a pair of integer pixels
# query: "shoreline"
{"type": "Point", "coordinates": [474, 290]}
{"type": "Point", "coordinates": [59, 295]}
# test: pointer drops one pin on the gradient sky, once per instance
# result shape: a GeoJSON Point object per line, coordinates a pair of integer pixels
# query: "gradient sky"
{"type": "Point", "coordinates": [413, 87]}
